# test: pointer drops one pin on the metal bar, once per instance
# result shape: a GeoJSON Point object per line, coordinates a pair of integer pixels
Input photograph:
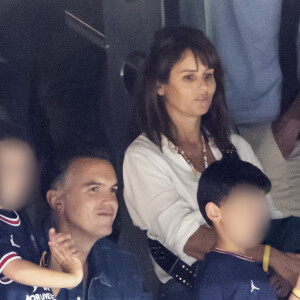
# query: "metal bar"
{"type": "Point", "coordinates": [85, 30]}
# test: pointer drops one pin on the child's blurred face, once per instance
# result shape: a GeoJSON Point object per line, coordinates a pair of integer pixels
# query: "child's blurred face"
{"type": "Point", "coordinates": [17, 173]}
{"type": "Point", "coordinates": [245, 216]}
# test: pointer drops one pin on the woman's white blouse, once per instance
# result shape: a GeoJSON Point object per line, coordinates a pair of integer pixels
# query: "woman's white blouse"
{"type": "Point", "coordinates": [160, 191]}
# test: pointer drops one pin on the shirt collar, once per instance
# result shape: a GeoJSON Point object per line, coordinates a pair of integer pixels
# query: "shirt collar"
{"type": "Point", "coordinates": [10, 217]}
{"type": "Point", "coordinates": [97, 265]}
{"type": "Point", "coordinates": [237, 255]}
{"type": "Point", "coordinates": [166, 143]}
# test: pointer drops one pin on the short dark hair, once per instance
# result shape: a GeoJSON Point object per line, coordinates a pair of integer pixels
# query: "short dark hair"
{"type": "Point", "coordinates": [218, 180]}
{"type": "Point", "coordinates": [10, 131]}
{"type": "Point", "coordinates": [151, 116]}
{"type": "Point", "coordinates": [55, 172]}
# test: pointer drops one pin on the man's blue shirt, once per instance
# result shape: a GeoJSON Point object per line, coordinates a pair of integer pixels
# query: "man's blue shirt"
{"type": "Point", "coordinates": [113, 275]}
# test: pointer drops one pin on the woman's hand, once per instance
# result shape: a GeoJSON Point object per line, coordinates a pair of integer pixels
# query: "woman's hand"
{"type": "Point", "coordinates": [286, 132]}
{"type": "Point", "coordinates": [287, 265]}
{"type": "Point", "coordinates": [281, 286]}
{"type": "Point", "coordinates": [286, 128]}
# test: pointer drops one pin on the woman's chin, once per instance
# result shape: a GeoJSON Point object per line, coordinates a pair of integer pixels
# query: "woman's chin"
{"type": "Point", "coordinates": [200, 112]}
{"type": "Point", "coordinates": [201, 107]}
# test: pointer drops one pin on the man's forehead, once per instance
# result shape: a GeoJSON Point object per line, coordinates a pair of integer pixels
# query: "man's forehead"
{"type": "Point", "coordinates": [88, 170]}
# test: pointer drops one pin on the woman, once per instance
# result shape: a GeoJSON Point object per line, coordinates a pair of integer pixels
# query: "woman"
{"type": "Point", "coordinates": [183, 126]}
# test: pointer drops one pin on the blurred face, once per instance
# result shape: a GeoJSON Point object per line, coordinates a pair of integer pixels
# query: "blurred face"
{"type": "Point", "coordinates": [17, 173]}
{"type": "Point", "coordinates": [245, 217]}
{"type": "Point", "coordinates": [89, 203]}
{"type": "Point", "coordinates": [190, 89]}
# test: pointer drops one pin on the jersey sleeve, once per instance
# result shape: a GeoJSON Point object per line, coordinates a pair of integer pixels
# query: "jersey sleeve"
{"type": "Point", "coordinates": [8, 252]}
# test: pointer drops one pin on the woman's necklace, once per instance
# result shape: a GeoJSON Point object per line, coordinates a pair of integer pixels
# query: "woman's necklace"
{"type": "Point", "coordinates": [194, 170]}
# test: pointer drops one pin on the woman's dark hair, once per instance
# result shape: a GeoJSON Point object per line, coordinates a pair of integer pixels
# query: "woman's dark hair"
{"type": "Point", "coordinates": [167, 48]}
{"type": "Point", "coordinates": [218, 180]}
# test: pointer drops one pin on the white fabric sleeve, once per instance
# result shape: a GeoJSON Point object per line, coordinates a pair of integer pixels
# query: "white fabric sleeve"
{"type": "Point", "coordinates": [154, 204]}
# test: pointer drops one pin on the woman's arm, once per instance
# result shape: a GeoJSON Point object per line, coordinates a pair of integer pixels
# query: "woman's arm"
{"type": "Point", "coordinates": [200, 242]}
{"type": "Point", "coordinates": [286, 265]}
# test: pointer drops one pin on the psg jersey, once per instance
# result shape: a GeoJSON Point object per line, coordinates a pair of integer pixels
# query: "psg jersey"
{"type": "Point", "coordinates": [228, 276]}
{"type": "Point", "coordinates": [17, 242]}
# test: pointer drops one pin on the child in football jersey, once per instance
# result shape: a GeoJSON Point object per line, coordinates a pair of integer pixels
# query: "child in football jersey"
{"type": "Point", "coordinates": [232, 198]}
{"type": "Point", "coordinates": [20, 276]}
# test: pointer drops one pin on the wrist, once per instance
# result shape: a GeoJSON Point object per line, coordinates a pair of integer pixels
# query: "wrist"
{"type": "Point", "coordinates": [73, 280]}
{"type": "Point", "coordinates": [77, 280]}
{"type": "Point", "coordinates": [273, 257]}
{"type": "Point", "coordinates": [257, 253]}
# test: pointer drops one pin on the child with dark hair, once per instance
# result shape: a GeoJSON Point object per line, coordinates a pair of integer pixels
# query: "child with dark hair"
{"type": "Point", "coordinates": [232, 198]}
{"type": "Point", "coordinates": [20, 276]}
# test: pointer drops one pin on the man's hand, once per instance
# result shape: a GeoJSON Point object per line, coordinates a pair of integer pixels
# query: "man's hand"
{"type": "Point", "coordinates": [286, 131]}
{"type": "Point", "coordinates": [63, 250]}
{"type": "Point", "coordinates": [287, 265]}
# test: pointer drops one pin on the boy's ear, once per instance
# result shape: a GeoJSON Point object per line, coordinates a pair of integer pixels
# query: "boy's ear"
{"type": "Point", "coordinates": [54, 200]}
{"type": "Point", "coordinates": [213, 212]}
{"type": "Point", "coordinates": [160, 89]}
